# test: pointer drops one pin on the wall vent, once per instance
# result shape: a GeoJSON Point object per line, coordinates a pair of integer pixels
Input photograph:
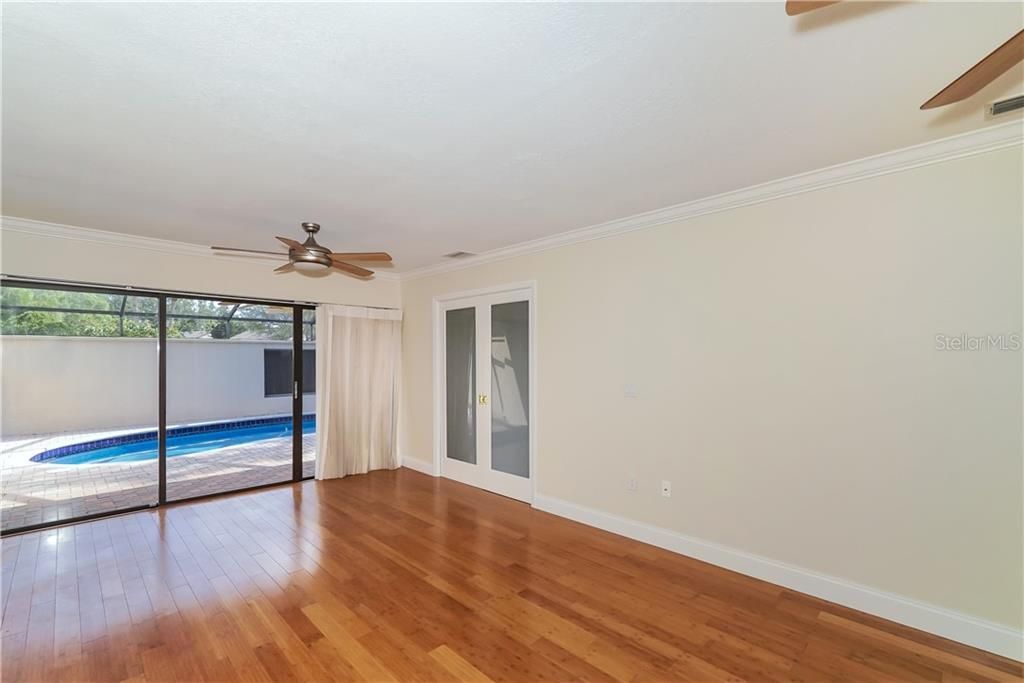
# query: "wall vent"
{"type": "Point", "coordinates": [1007, 105]}
{"type": "Point", "coordinates": [459, 254]}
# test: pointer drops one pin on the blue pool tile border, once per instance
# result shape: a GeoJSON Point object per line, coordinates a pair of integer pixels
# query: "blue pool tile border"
{"type": "Point", "coordinates": [150, 435]}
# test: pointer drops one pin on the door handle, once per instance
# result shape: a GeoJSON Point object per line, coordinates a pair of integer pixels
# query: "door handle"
{"type": "Point", "coordinates": [483, 399]}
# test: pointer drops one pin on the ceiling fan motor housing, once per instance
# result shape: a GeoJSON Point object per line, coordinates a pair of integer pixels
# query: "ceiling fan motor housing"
{"type": "Point", "coordinates": [312, 256]}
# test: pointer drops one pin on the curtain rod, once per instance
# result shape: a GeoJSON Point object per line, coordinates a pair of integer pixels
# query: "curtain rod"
{"type": "Point", "coordinates": [177, 292]}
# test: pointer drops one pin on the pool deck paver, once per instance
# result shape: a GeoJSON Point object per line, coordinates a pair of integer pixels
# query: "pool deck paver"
{"type": "Point", "coordinates": [37, 492]}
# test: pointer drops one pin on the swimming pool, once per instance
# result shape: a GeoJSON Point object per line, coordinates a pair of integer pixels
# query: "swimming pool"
{"type": "Point", "coordinates": [138, 446]}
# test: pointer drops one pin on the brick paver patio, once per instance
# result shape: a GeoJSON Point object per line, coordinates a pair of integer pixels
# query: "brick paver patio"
{"type": "Point", "coordinates": [37, 492]}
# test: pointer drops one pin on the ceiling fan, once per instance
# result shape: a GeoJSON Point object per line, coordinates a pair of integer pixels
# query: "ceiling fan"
{"type": "Point", "coordinates": [310, 257]}
{"type": "Point", "coordinates": [998, 62]}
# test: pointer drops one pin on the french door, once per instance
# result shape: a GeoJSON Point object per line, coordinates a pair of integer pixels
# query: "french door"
{"type": "Point", "coordinates": [487, 357]}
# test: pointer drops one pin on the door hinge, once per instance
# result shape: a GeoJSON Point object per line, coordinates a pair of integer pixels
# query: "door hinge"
{"type": "Point", "coordinates": [295, 389]}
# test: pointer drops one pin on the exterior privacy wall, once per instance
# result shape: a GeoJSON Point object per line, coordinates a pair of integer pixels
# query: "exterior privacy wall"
{"type": "Point", "coordinates": [62, 384]}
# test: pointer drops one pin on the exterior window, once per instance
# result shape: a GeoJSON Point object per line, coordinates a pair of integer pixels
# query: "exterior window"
{"type": "Point", "coordinates": [277, 372]}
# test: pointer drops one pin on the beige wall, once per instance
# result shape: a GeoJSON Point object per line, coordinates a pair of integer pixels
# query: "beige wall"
{"type": "Point", "coordinates": [85, 261]}
{"type": "Point", "coordinates": [788, 377]}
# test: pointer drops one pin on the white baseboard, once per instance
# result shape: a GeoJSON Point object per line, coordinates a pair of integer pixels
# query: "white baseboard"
{"type": "Point", "coordinates": [942, 622]}
{"type": "Point", "coordinates": [418, 465]}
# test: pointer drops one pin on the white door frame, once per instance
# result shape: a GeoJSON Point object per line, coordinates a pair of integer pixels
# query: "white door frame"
{"type": "Point", "coordinates": [529, 291]}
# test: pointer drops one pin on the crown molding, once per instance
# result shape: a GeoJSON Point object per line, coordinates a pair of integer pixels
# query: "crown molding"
{"type": "Point", "coordinates": [986, 139]}
{"type": "Point", "coordinates": [983, 140]}
{"type": "Point", "coordinates": [13, 224]}
{"type": "Point", "coordinates": [104, 237]}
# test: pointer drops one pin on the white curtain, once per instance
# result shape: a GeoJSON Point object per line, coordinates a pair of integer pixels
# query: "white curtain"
{"type": "Point", "coordinates": [358, 356]}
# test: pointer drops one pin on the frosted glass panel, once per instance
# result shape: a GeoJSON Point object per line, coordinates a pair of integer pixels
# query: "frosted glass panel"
{"type": "Point", "coordinates": [460, 363]}
{"type": "Point", "coordinates": [510, 388]}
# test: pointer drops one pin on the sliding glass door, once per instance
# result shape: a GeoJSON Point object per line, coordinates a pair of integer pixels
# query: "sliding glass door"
{"type": "Point", "coordinates": [114, 401]}
{"type": "Point", "coordinates": [79, 390]}
{"type": "Point", "coordinates": [230, 394]}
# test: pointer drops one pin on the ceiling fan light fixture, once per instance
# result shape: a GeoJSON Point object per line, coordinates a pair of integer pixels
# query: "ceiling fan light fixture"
{"type": "Point", "coordinates": [311, 262]}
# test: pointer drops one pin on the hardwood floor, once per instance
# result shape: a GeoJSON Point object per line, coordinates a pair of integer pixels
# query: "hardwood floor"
{"type": "Point", "coordinates": [396, 576]}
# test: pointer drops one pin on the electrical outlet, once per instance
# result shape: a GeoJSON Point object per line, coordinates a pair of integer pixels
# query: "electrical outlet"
{"type": "Point", "coordinates": [666, 488]}
{"type": "Point", "coordinates": [631, 484]}
{"type": "Point", "coordinates": [630, 391]}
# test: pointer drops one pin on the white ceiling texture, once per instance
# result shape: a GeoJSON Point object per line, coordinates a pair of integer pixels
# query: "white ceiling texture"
{"type": "Point", "coordinates": [427, 128]}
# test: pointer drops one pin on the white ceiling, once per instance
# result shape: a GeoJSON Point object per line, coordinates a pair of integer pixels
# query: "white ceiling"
{"type": "Point", "coordinates": [424, 129]}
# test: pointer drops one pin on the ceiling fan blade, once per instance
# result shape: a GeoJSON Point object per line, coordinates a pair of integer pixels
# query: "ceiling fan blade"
{"type": "Point", "coordinates": [355, 270]}
{"type": "Point", "coordinates": [286, 268]}
{"type": "Point", "coordinates": [998, 62]}
{"type": "Point", "coordinates": [291, 243]}
{"type": "Point", "coordinates": [795, 7]}
{"type": "Point", "coordinates": [249, 251]}
{"type": "Point", "coordinates": [361, 256]}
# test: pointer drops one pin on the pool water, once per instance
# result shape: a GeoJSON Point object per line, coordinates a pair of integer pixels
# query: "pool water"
{"type": "Point", "coordinates": [183, 444]}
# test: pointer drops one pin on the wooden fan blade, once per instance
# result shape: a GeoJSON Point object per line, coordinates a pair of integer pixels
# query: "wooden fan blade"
{"type": "Point", "coordinates": [286, 268]}
{"type": "Point", "coordinates": [355, 270]}
{"type": "Point", "coordinates": [998, 62]}
{"type": "Point", "coordinates": [795, 7]}
{"type": "Point", "coordinates": [291, 243]}
{"type": "Point", "coordinates": [249, 251]}
{"type": "Point", "coordinates": [361, 256]}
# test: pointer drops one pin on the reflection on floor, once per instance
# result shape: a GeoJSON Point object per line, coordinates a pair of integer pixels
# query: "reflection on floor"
{"type": "Point", "coordinates": [397, 576]}
{"type": "Point", "coordinates": [33, 493]}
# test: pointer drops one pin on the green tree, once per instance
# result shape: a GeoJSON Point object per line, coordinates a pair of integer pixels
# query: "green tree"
{"type": "Point", "coordinates": [28, 311]}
